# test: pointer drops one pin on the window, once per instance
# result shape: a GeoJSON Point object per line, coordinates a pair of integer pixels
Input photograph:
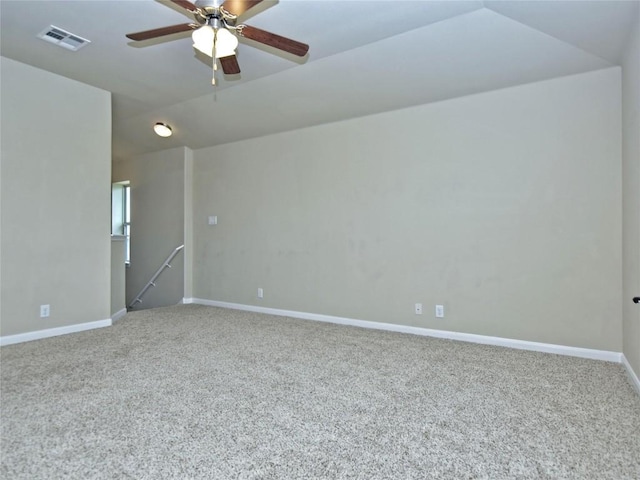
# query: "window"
{"type": "Point", "coordinates": [127, 223]}
{"type": "Point", "coordinates": [121, 214]}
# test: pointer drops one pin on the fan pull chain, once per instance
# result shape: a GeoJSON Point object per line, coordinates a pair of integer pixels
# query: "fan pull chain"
{"type": "Point", "coordinates": [215, 60]}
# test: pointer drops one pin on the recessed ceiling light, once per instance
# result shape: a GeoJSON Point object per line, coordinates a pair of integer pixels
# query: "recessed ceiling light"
{"type": "Point", "coordinates": [162, 129]}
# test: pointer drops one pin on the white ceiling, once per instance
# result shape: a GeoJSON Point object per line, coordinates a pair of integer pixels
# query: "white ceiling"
{"type": "Point", "coordinates": [366, 56]}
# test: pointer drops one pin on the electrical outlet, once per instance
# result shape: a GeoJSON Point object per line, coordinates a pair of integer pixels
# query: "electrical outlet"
{"type": "Point", "coordinates": [44, 311]}
{"type": "Point", "coordinates": [439, 311]}
{"type": "Point", "coordinates": [418, 309]}
{"type": "Point", "coordinates": [260, 293]}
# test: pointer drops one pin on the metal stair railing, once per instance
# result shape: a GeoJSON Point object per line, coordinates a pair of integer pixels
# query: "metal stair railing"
{"type": "Point", "coordinates": [151, 283]}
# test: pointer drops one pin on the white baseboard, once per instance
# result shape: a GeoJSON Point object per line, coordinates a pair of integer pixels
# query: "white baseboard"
{"type": "Point", "coordinates": [632, 375]}
{"type": "Point", "coordinates": [53, 332]}
{"type": "Point", "coordinates": [464, 337]}
{"type": "Point", "coordinates": [118, 315]}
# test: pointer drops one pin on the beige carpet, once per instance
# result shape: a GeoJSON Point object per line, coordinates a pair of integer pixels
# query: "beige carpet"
{"type": "Point", "coordinates": [201, 392]}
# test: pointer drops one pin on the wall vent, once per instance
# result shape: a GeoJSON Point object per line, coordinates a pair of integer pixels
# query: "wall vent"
{"type": "Point", "coordinates": [63, 38]}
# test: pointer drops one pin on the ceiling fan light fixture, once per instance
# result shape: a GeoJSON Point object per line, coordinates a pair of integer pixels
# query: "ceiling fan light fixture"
{"type": "Point", "coordinates": [162, 129]}
{"type": "Point", "coordinates": [226, 43]}
{"type": "Point", "coordinates": [206, 36]}
{"type": "Point", "coordinates": [203, 39]}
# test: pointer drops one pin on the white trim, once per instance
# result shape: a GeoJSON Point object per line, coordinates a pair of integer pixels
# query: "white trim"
{"type": "Point", "coordinates": [118, 315]}
{"type": "Point", "coordinates": [463, 337]}
{"type": "Point", "coordinates": [188, 300]}
{"type": "Point", "coordinates": [53, 332]}
{"type": "Point", "coordinates": [632, 375]}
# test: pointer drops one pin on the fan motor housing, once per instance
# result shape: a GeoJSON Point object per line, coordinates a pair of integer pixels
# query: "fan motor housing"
{"type": "Point", "coordinates": [209, 6]}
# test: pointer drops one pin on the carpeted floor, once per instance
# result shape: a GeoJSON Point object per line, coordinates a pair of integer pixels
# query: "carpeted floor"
{"type": "Point", "coordinates": [201, 392]}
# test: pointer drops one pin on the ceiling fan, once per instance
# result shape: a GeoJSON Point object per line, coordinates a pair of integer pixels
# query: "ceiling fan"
{"type": "Point", "coordinates": [215, 32]}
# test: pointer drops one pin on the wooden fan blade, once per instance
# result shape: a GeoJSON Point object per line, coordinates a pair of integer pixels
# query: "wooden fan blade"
{"type": "Point", "coordinates": [186, 5]}
{"type": "Point", "coordinates": [238, 7]}
{"type": "Point", "coordinates": [273, 40]}
{"type": "Point", "coordinates": [160, 32]}
{"type": "Point", "coordinates": [230, 65]}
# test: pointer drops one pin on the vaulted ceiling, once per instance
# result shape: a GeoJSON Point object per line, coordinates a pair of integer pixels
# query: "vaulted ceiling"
{"type": "Point", "coordinates": [366, 56]}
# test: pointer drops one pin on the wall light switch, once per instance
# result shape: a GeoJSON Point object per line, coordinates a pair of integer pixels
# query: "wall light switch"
{"type": "Point", "coordinates": [213, 220]}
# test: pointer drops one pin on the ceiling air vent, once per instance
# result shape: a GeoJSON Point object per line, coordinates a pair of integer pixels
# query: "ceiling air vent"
{"type": "Point", "coordinates": [63, 38]}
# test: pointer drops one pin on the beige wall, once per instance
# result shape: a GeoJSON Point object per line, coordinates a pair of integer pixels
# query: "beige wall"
{"type": "Point", "coordinates": [56, 157]}
{"type": "Point", "coordinates": [503, 206]}
{"type": "Point", "coordinates": [157, 223]}
{"type": "Point", "coordinates": [117, 274]}
{"type": "Point", "coordinates": [631, 196]}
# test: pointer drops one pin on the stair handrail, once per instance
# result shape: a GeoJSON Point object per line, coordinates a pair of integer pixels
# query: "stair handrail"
{"type": "Point", "coordinates": [151, 283]}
